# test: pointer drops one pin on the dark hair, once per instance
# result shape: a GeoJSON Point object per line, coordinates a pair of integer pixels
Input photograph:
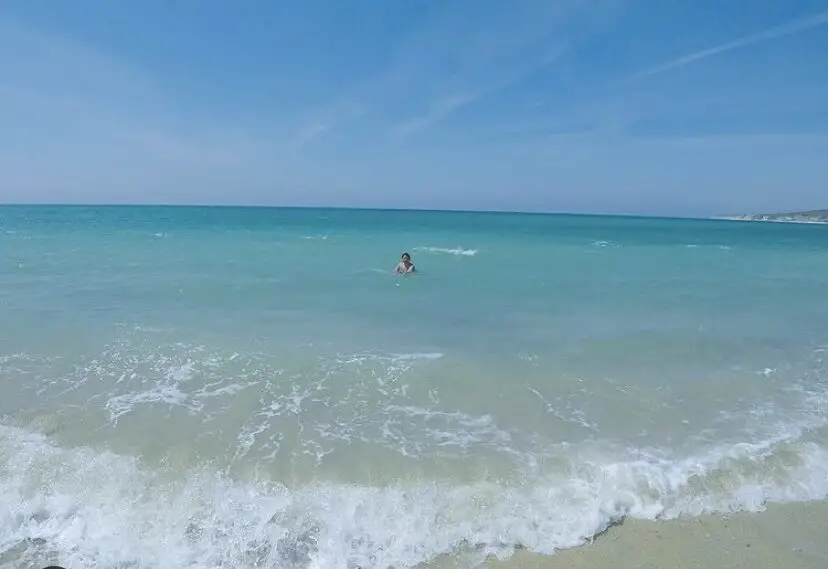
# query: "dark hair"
{"type": "Point", "coordinates": [405, 255]}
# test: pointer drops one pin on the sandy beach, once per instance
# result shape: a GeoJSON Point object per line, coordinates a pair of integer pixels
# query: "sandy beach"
{"type": "Point", "coordinates": [787, 536]}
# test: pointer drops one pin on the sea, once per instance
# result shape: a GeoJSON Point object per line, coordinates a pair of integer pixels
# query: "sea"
{"type": "Point", "coordinates": [205, 387]}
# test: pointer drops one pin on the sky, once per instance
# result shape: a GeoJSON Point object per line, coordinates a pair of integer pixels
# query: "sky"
{"type": "Point", "coordinates": [665, 107]}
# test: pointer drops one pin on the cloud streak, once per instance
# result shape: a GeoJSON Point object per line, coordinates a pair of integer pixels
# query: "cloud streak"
{"type": "Point", "coordinates": [102, 125]}
{"type": "Point", "coordinates": [309, 132]}
{"type": "Point", "coordinates": [454, 59]}
{"type": "Point", "coordinates": [444, 108]}
{"type": "Point", "coordinates": [789, 29]}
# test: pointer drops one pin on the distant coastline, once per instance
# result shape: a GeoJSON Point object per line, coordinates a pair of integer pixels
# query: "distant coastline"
{"type": "Point", "coordinates": [819, 216]}
{"type": "Point", "coordinates": [808, 217]}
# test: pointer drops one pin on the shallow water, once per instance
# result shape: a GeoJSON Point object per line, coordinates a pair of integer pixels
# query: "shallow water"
{"type": "Point", "coordinates": [195, 387]}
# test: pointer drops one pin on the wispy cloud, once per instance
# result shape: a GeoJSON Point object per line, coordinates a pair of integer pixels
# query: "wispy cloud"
{"type": "Point", "coordinates": [105, 128]}
{"type": "Point", "coordinates": [74, 107]}
{"type": "Point", "coordinates": [457, 57]}
{"type": "Point", "coordinates": [788, 29]}
{"type": "Point", "coordinates": [325, 120]}
{"type": "Point", "coordinates": [443, 108]}
{"type": "Point", "coordinates": [48, 64]}
{"type": "Point", "coordinates": [310, 131]}
{"type": "Point", "coordinates": [439, 110]}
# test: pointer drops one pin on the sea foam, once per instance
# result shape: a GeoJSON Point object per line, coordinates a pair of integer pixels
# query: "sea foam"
{"type": "Point", "coordinates": [91, 508]}
{"type": "Point", "coordinates": [456, 251]}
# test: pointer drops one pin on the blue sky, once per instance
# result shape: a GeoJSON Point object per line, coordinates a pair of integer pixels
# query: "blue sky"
{"type": "Point", "coordinates": [686, 107]}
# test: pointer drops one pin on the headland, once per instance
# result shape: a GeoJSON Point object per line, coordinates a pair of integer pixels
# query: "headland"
{"type": "Point", "coordinates": [813, 216]}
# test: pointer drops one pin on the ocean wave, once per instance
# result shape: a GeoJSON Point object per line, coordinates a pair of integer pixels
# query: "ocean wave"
{"type": "Point", "coordinates": [418, 356]}
{"type": "Point", "coordinates": [247, 499]}
{"type": "Point", "coordinates": [708, 246]}
{"type": "Point", "coordinates": [85, 507]}
{"type": "Point", "coordinates": [456, 251]}
{"type": "Point", "coordinates": [312, 404]}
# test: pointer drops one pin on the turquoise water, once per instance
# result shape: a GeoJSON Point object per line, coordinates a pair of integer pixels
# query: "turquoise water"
{"type": "Point", "coordinates": [246, 387]}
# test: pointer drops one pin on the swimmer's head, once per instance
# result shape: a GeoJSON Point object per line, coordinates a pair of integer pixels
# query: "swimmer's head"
{"type": "Point", "coordinates": [406, 257]}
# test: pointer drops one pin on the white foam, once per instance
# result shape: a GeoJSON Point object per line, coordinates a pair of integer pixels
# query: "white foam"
{"type": "Point", "coordinates": [165, 386]}
{"type": "Point", "coordinates": [171, 395]}
{"type": "Point", "coordinates": [96, 509]}
{"type": "Point", "coordinates": [430, 356]}
{"type": "Point", "coordinates": [87, 508]}
{"type": "Point", "coordinates": [456, 251]}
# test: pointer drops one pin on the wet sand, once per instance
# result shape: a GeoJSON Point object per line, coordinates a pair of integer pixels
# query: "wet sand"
{"type": "Point", "coordinates": [788, 536]}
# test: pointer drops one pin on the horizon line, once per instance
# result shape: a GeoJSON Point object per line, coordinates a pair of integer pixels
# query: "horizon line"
{"type": "Point", "coordinates": [363, 208]}
{"type": "Point", "coordinates": [708, 217]}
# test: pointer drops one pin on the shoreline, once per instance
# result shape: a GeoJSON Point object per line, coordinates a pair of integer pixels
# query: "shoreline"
{"type": "Point", "coordinates": [789, 535]}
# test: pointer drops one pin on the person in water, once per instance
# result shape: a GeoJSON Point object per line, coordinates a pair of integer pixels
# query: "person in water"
{"type": "Point", "coordinates": [405, 265]}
